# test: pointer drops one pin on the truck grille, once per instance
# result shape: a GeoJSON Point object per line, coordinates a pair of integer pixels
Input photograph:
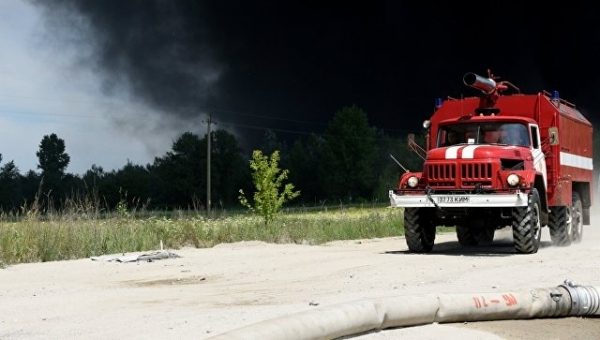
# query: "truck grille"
{"type": "Point", "coordinates": [475, 173]}
{"type": "Point", "coordinates": [464, 175]}
{"type": "Point", "coordinates": [441, 174]}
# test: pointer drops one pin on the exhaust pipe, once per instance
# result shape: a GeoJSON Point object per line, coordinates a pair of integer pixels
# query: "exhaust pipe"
{"type": "Point", "coordinates": [485, 85]}
{"type": "Point", "coordinates": [362, 316]}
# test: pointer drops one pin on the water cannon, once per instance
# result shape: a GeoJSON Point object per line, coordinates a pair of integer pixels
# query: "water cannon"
{"type": "Point", "coordinates": [491, 90]}
{"type": "Point", "coordinates": [485, 85]}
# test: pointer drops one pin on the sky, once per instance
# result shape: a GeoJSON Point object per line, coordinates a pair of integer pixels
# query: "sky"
{"type": "Point", "coordinates": [120, 80]}
{"type": "Point", "coordinates": [45, 89]}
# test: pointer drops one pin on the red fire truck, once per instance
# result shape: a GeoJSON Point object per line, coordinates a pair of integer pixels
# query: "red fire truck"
{"type": "Point", "coordinates": [520, 160]}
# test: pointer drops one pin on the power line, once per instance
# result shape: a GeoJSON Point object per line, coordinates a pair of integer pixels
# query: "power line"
{"type": "Point", "coordinates": [44, 114]}
{"type": "Point", "coordinates": [224, 123]}
{"type": "Point", "coordinates": [272, 117]}
{"type": "Point", "coordinates": [190, 108]}
{"type": "Point", "coordinates": [240, 113]}
{"type": "Point", "coordinates": [262, 128]}
{"type": "Point", "coordinates": [265, 128]}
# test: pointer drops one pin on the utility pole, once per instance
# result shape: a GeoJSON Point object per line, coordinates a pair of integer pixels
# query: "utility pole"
{"type": "Point", "coordinates": [208, 164]}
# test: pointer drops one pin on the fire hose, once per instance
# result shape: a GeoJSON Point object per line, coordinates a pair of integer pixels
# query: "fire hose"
{"type": "Point", "coordinates": [361, 316]}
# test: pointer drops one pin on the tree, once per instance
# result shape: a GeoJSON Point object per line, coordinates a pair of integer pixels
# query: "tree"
{"type": "Point", "coordinates": [268, 179]}
{"type": "Point", "coordinates": [30, 184]}
{"type": "Point", "coordinates": [270, 142]}
{"type": "Point", "coordinates": [388, 172]}
{"type": "Point", "coordinates": [94, 176]}
{"type": "Point", "coordinates": [180, 174]}
{"type": "Point", "coordinates": [305, 160]}
{"type": "Point", "coordinates": [53, 160]}
{"type": "Point", "coordinates": [52, 156]}
{"type": "Point", "coordinates": [133, 182]}
{"type": "Point", "coordinates": [229, 170]}
{"type": "Point", "coordinates": [10, 187]}
{"type": "Point", "coordinates": [349, 156]}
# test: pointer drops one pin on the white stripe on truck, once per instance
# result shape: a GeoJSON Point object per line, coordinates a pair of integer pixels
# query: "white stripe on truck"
{"type": "Point", "coordinates": [576, 161]}
{"type": "Point", "coordinates": [469, 151]}
{"type": "Point", "coordinates": [452, 152]}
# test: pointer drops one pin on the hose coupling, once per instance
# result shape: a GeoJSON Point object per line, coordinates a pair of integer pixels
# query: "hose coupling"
{"type": "Point", "coordinates": [585, 300]}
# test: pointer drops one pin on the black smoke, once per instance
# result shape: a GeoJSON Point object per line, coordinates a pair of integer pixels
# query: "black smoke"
{"type": "Point", "coordinates": [303, 60]}
{"type": "Point", "coordinates": [160, 50]}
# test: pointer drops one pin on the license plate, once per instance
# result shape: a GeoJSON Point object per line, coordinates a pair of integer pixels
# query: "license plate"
{"type": "Point", "coordinates": [453, 199]}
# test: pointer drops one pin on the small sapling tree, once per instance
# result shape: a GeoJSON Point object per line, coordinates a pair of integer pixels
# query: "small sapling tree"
{"type": "Point", "coordinates": [268, 178]}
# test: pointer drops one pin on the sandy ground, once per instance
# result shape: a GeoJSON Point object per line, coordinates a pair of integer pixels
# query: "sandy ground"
{"type": "Point", "coordinates": [209, 291]}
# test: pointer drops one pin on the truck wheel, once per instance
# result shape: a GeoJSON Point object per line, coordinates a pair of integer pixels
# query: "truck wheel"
{"type": "Point", "coordinates": [486, 236]}
{"type": "Point", "coordinates": [526, 225]}
{"type": "Point", "coordinates": [474, 236]}
{"type": "Point", "coordinates": [418, 231]}
{"type": "Point", "coordinates": [465, 236]}
{"type": "Point", "coordinates": [560, 223]}
{"type": "Point", "coordinates": [576, 219]}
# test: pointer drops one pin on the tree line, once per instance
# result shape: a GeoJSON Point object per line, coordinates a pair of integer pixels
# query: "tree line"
{"type": "Point", "coordinates": [348, 163]}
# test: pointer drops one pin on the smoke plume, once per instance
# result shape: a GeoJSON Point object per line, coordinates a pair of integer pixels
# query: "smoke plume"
{"type": "Point", "coordinates": [302, 61]}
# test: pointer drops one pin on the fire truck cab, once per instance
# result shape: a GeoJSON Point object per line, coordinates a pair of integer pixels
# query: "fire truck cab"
{"type": "Point", "coordinates": [500, 160]}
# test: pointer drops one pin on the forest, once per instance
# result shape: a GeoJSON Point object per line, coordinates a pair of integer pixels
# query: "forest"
{"type": "Point", "coordinates": [348, 163]}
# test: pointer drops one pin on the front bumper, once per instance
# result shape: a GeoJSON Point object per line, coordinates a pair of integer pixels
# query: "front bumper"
{"type": "Point", "coordinates": [518, 199]}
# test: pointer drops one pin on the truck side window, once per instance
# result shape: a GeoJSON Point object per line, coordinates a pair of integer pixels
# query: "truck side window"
{"type": "Point", "coordinates": [534, 136]}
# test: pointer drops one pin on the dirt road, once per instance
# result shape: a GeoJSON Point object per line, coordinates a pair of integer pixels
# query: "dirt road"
{"type": "Point", "coordinates": [209, 291]}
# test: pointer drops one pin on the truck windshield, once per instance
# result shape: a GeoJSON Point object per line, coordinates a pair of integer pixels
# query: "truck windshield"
{"type": "Point", "coordinates": [483, 133]}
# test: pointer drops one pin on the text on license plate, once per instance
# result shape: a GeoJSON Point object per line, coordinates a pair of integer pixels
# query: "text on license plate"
{"type": "Point", "coordinates": [453, 199]}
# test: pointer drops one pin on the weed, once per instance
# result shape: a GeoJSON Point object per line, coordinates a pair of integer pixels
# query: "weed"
{"type": "Point", "coordinates": [35, 237]}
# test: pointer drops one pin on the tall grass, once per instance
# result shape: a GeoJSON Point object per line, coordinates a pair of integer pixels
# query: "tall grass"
{"type": "Point", "coordinates": [32, 237]}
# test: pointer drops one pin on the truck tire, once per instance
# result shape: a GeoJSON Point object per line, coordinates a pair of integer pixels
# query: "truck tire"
{"type": "Point", "coordinates": [418, 231]}
{"type": "Point", "coordinates": [576, 219]}
{"type": "Point", "coordinates": [474, 236]}
{"type": "Point", "coordinates": [485, 236]}
{"type": "Point", "coordinates": [560, 223]}
{"type": "Point", "coordinates": [526, 225]}
{"type": "Point", "coordinates": [465, 236]}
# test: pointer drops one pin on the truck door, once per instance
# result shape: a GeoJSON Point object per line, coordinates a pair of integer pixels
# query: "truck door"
{"type": "Point", "coordinates": [539, 161]}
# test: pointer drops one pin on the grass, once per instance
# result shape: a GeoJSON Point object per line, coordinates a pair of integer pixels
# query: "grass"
{"type": "Point", "coordinates": [71, 236]}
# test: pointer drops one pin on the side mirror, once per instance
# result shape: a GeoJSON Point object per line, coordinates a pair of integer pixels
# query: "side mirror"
{"type": "Point", "coordinates": [553, 135]}
{"type": "Point", "coordinates": [412, 144]}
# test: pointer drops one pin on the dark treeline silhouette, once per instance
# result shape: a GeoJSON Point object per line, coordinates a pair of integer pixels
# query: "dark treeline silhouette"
{"type": "Point", "coordinates": [347, 163]}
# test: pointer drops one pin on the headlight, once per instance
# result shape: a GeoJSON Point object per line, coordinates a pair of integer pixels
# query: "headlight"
{"type": "Point", "coordinates": [426, 124]}
{"type": "Point", "coordinates": [412, 181]}
{"type": "Point", "coordinates": [513, 180]}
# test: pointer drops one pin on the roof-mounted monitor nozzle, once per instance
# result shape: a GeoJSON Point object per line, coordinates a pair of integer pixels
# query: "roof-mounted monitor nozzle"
{"type": "Point", "coordinates": [485, 85]}
{"type": "Point", "coordinates": [490, 89]}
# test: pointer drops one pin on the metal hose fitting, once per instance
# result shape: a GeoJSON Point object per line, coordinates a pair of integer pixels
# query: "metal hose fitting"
{"type": "Point", "coordinates": [585, 300]}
